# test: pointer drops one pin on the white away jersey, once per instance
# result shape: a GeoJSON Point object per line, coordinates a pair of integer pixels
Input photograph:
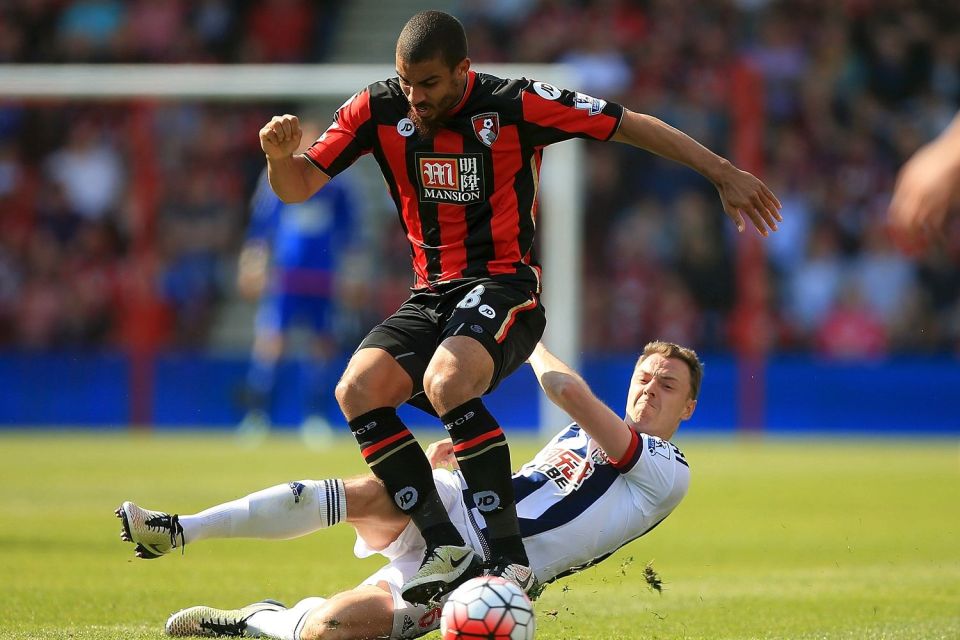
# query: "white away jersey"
{"type": "Point", "coordinates": [577, 506]}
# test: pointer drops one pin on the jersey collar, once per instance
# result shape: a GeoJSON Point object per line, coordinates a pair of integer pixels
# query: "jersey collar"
{"type": "Point", "coordinates": [471, 79]}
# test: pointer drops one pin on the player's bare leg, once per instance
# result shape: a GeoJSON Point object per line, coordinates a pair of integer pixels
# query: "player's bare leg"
{"type": "Point", "coordinates": [363, 612]}
{"type": "Point", "coordinates": [372, 513]}
{"type": "Point", "coordinates": [458, 375]}
{"type": "Point", "coordinates": [369, 393]}
{"type": "Point", "coordinates": [373, 379]}
{"type": "Point", "coordinates": [460, 370]}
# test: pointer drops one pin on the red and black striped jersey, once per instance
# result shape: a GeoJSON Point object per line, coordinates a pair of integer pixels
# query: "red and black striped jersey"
{"type": "Point", "coordinates": [467, 196]}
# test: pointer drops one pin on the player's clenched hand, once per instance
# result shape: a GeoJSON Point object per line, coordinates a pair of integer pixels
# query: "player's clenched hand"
{"type": "Point", "coordinates": [744, 196]}
{"type": "Point", "coordinates": [280, 138]}
{"type": "Point", "coordinates": [440, 454]}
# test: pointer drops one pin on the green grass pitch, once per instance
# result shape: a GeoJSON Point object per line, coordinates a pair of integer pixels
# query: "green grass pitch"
{"type": "Point", "coordinates": [818, 538]}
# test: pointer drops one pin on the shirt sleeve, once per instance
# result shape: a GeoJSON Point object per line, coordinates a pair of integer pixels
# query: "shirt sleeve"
{"type": "Point", "coordinates": [554, 115]}
{"type": "Point", "coordinates": [629, 459]}
{"type": "Point", "coordinates": [659, 470]}
{"type": "Point", "coordinates": [349, 137]}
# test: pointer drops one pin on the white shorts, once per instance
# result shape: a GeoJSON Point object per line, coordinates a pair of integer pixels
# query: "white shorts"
{"type": "Point", "coordinates": [405, 554]}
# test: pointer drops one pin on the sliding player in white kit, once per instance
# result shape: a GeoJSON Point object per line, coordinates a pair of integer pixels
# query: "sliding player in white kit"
{"type": "Point", "coordinates": [600, 483]}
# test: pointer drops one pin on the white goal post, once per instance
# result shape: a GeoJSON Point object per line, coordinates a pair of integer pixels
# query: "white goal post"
{"type": "Point", "coordinates": [561, 180]}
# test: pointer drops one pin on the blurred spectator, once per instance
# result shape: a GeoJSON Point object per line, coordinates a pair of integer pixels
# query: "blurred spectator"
{"type": "Point", "coordinates": [90, 273]}
{"type": "Point", "coordinates": [88, 29]}
{"type": "Point", "coordinates": [851, 331]}
{"type": "Point", "coordinates": [597, 62]}
{"type": "Point", "coordinates": [56, 215]}
{"type": "Point", "coordinates": [704, 266]}
{"type": "Point", "coordinates": [42, 303]}
{"type": "Point", "coordinates": [89, 168]}
{"type": "Point", "coordinates": [814, 286]}
{"type": "Point", "coordinates": [883, 275]}
{"type": "Point", "coordinates": [782, 59]}
{"type": "Point", "coordinates": [280, 30]}
{"type": "Point", "coordinates": [197, 228]}
{"type": "Point", "coordinates": [677, 316]}
{"type": "Point", "coordinates": [9, 291]}
{"type": "Point", "coordinates": [153, 30]}
{"type": "Point", "coordinates": [213, 24]}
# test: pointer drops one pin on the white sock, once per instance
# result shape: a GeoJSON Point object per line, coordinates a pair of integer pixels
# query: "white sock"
{"type": "Point", "coordinates": [279, 513]}
{"type": "Point", "coordinates": [284, 624]}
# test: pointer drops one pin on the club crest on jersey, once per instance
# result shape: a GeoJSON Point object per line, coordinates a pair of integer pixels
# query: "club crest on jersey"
{"type": "Point", "coordinates": [487, 127]}
{"type": "Point", "coordinates": [455, 178]}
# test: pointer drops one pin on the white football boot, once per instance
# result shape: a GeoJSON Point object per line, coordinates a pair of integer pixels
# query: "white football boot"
{"type": "Point", "coordinates": [443, 569]}
{"type": "Point", "coordinates": [154, 532]}
{"type": "Point", "coordinates": [520, 575]}
{"type": "Point", "coordinates": [213, 623]}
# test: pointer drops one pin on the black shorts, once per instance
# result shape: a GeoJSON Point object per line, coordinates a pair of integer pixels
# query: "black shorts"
{"type": "Point", "coordinates": [506, 319]}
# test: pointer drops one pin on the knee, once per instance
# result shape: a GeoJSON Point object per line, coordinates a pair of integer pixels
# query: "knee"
{"type": "Point", "coordinates": [315, 628]}
{"type": "Point", "coordinates": [358, 393]}
{"type": "Point", "coordinates": [348, 392]}
{"type": "Point", "coordinates": [448, 386]}
{"type": "Point", "coordinates": [363, 389]}
{"type": "Point", "coordinates": [320, 626]}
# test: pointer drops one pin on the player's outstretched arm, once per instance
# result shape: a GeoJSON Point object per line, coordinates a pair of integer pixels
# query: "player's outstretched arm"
{"type": "Point", "coordinates": [570, 392]}
{"type": "Point", "coordinates": [292, 177]}
{"type": "Point", "coordinates": [928, 183]}
{"type": "Point", "coordinates": [743, 195]}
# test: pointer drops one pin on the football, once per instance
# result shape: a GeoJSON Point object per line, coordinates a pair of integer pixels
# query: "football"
{"type": "Point", "coordinates": [488, 608]}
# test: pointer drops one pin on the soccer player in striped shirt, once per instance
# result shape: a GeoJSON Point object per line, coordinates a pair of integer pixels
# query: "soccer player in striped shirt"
{"type": "Point", "coordinates": [598, 484]}
{"type": "Point", "coordinates": [461, 153]}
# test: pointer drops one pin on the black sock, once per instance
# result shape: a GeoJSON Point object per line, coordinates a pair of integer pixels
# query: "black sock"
{"type": "Point", "coordinates": [395, 457]}
{"type": "Point", "coordinates": [484, 459]}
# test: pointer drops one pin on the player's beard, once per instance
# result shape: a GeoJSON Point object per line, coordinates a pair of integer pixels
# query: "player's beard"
{"type": "Point", "coordinates": [426, 127]}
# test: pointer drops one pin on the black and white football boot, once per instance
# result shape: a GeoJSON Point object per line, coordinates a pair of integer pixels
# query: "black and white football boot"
{"type": "Point", "coordinates": [154, 532]}
{"type": "Point", "coordinates": [215, 623]}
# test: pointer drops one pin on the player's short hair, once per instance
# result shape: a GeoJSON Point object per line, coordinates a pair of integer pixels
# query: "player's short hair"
{"type": "Point", "coordinates": [688, 356]}
{"type": "Point", "coordinates": [431, 34]}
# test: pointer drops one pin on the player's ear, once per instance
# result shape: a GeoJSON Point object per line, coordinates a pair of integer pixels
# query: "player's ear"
{"type": "Point", "coordinates": [688, 410]}
{"type": "Point", "coordinates": [463, 67]}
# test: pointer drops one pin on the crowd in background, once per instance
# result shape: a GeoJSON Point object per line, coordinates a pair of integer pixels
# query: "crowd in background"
{"type": "Point", "coordinates": [850, 90]}
{"type": "Point", "coordinates": [171, 31]}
